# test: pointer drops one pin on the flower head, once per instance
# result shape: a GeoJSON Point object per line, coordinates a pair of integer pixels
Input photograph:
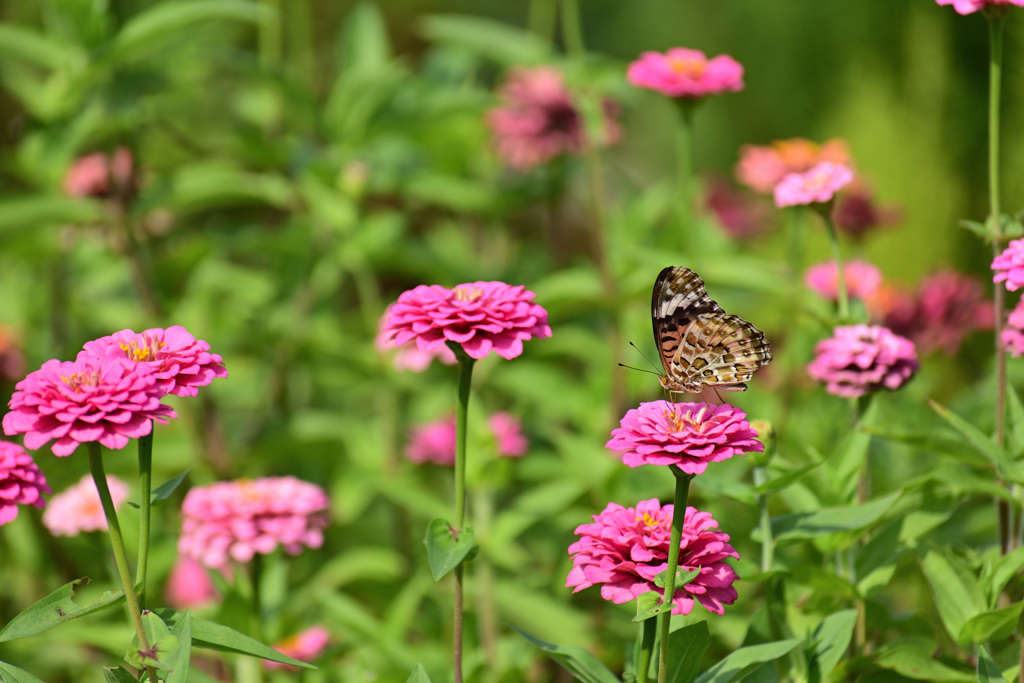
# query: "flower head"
{"type": "Point", "coordinates": [508, 433]}
{"type": "Point", "coordinates": [21, 481]}
{"type": "Point", "coordinates": [815, 186]}
{"type": "Point", "coordinates": [235, 520]}
{"type": "Point", "coordinates": [1012, 336]}
{"type": "Point", "coordinates": [180, 362]}
{"type": "Point", "coordinates": [682, 72]}
{"type": "Point", "coordinates": [761, 167]}
{"type": "Point", "coordinates": [857, 212]}
{"type": "Point", "coordinates": [99, 175]}
{"type": "Point", "coordinates": [409, 356]}
{"type": "Point", "coordinates": [93, 398]}
{"type": "Point", "coordinates": [479, 316]}
{"type": "Point", "coordinates": [947, 306]}
{"type": "Point", "coordinates": [970, 6]}
{"type": "Point", "coordinates": [305, 646]}
{"type": "Point", "coordinates": [1009, 265]}
{"type": "Point", "coordinates": [433, 442]}
{"type": "Point", "coordinates": [538, 119]}
{"type": "Point", "coordinates": [862, 279]}
{"type": "Point", "coordinates": [78, 509]}
{"type": "Point", "coordinates": [189, 586]}
{"type": "Point", "coordinates": [859, 359]}
{"type": "Point", "coordinates": [688, 435]}
{"type": "Point", "coordinates": [626, 548]}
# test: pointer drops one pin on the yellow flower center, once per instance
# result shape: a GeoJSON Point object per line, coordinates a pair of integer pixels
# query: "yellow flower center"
{"type": "Point", "coordinates": [133, 351]}
{"type": "Point", "coordinates": [686, 421]}
{"type": "Point", "coordinates": [684, 66]}
{"type": "Point", "coordinates": [648, 520]}
{"type": "Point", "coordinates": [467, 294]}
{"type": "Point", "coordinates": [78, 380]}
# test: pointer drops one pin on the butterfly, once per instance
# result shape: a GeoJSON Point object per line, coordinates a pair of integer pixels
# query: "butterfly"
{"type": "Point", "coordinates": [699, 343]}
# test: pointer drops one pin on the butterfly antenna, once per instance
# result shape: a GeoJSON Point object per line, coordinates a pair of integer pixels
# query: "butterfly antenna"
{"type": "Point", "coordinates": [645, 358]}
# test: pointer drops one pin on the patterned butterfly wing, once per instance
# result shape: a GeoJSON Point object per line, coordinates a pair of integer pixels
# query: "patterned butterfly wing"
{"type": "Point", "coordinates": [699, 343]}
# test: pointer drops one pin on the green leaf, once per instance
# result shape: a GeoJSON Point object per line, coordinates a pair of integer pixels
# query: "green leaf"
{"type": "Point", "coordinates": [988, 672]}
{"type": "Point", "coordinates": [118, 675]}
{"type": "Point", "coordinates": [12, 674]}
{"type": "Point", "coordinates": [576, 660]}
{"type": "Point", "coordinates": [444, 550]}
{"type": "Point", "coordinates": [686, 648]}
{"type": "Point", "coordinates": [364, 39]}
{"type": "Point", "coordinates": [164, 490]}
{"type": "Point", "coordinates": [213, 636]}
{"type": "Point", "coordinates": [991, 625]}
{"type": "Point", "coordinates": [53, 610]}
{"type": "Point", "coordinates": [1006, 568]}
{"type": "Point", "coordinates": [31, 46]}
{"type": "Point", "coordinates": [163, 647]}
{"type": "Point", "coordinates": [743, 661]}
{"type": "Point", "coordinates": [784, 480]}
{"type": "Point", "coordinates": [828, 521]}
{"type": "Point", "coordinates": [419, 675]}
{"type": "Point", "coordinates": [849, 461]}
{"type": "Point", "coordinates": [34, 211]}
{"type": "Point", "coordinates": [917, 663]}
{"type": "Point", "coordinates": [486, 37]}
{"type": "Point", "coordinates": [979, 229]}
{"type": "Point", "coordinates": [996, 456]}
{"type": "Point", "coordinates": [649, 605]}
{"type": "Point", "coordinates": [829, 641]}
{"type": "Point", "coordinates": [179, 666]}
{"type": "Point", "coordinates": [683, 577]}
{"type": "Point", "coordinates": [958, 598]}
{"type": "Point", "coordinates": [929, 440]}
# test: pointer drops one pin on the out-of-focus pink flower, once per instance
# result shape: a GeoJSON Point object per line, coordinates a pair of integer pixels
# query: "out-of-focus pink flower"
{"type": "Point", "coordinates": [538, 120]}
{"type": "Point", "coordinates": [235, 520]}
{"type": "Point", "coordinates": [99, 175]}
{"type": "Point", "coordinates": [180, 362]}
{"type": "Point", "coordinates": [78, 509]}
{"type": "Point", "coordinates": [410, 357]}
{"type": "Point", "coordinates": [815, 186]}
{"type": "Point", "coordinates": [626, 548]}
{"type": "Point", "coordinates": [1009, 266]}
{"type": "Point", "coordinates": [741, 215]}
{"type": "Point", "coordinates": [682, 72]}
{"type": "Point", "coordinates": [859, 359]}
{"type": "Point", "coordinates": [304, 646]}
{"type": "Point", "coordinates": [687, 435]}
{"type": "Point", "coordinates": [1012, 336]}
{"type": "Point", "coordinates": [970, 6]}
{"type": "Point", "coordinates": [433, 442]}
{"type": "Point", "coordinates": [21, 481]}
{"type": "Point", "coordinates": [856, 212]}
{"type": "Point", "coordinates": [479, 316]}
{"type": "Point", "coordinates": [93, 398]}
{"type": "Point", "coordinates": [946, 307]}
{"type": "Point", "coordinates": [508, 434]}
{"type": "Point", "coordinates": [189, 586]}
{"type": "Point", "coordinates": [12, 360]}
{"type": "Point", "coordinates": [761, 167]}
{"type": "Point", "coordinates": [862, 279]}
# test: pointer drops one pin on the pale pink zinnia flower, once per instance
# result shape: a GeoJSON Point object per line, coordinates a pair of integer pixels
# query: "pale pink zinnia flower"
{"type": "Point", "coordinates": [947, 306]}
{"type": "Point", "coordinates": [862, 279]}
{"type": "Point", "coordinates": [682, 72]}
{"type": "Point", "coordinates": [189, 586]}
{"type": "Point", "coordinates": [761, 167]}
{"type": "Point", "coordinates": [21, 481]}
{"type": "Point", "coordinates": [1012, 336]}
{"type": "Point", "coordinates": [538, 119]}
{"type": "Point", "coordinates": [859, 359]}
{"type": "Point", "coordinates": [100, 175]}
{"type": "Point", "coordinates": [410, 357]}
{"type": "Point", "coordinates": [305, 646]}
{"type": "Point", "coordinates": [970, 6]}
{"type": "Point", "coordinates": [1009, 266]}
{"type": "Point", "coordinates": [433, 442]}
{"type": "Point", "coordinates": [815, 186]}
{"type": "Point", "coordinates": [180, 362]}
{"type": "Point", "coordinates": [93, 398]}
{"type": "Point", "coordinates": [78, 509]}
{"type": "Point", "coordinates": [687, 435]}
{"type": "Point", "coordinates": [626, 548]}
{"type": "Point", "coordinates": [508, 434]}
{"type": "Point", "coordinates": [479, 316]}
{"type": "Point", "coordinates": [235, 520]}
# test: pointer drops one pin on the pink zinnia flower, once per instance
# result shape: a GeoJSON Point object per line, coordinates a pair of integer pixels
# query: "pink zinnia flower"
{"type": "Point", "coordinates": [99, 175]}
{"type": "Point", "coordinates": [189, 586]}
{"type": "Point", "coordinates": [180, 362]}
{"type": "Point", "coordinates": [538, 120]}
{"type": "Point", "coordinates": [304, 646]}
{"type": "Point", "coordinates": [21, 481]}
{"type": "Point", "coordinates": [12, 360]}
{"type": "Point", "coordinates": [687, 435]}
{"type": "Point", "coordinates": [815, 186]}
{"type": "Point", "coordinates": [235, 520]}
{"type": "Point", "coordinates": [761, 167]}
{"type": "Point", "coordinates": [682, 72]}
{"type": "Point", "coordinates": [93, 398]}
{"type": "Point", "coordinates": [626, 548]}
{"type": "Point", "coordinates": [947, 306]}
{"type": "Point", "coordinates": [859, 359]}
{"type": "Point", "coordinates": [508, 434]}
{"type": "Point", "coordinates": [856, 212]}
{"type": "Point", "coordinates": [1012, 336]}
{"type": "Point", "coordinates": [433, 442]}
{"type": "Point", "coordinates": [479, 316]}
{"type": "Point", "coordinates": [409, 356]}
{"type": "Point", "coordinates": [862, 279]}
{"type": "Point", "coordinates": [1009, 266]}
{"type": "Point", "coordinates": [740, 214]}
{"type": "Point", "coordinates": [78, 509]}
{"type": "Point", "coordinates": [970, 6]}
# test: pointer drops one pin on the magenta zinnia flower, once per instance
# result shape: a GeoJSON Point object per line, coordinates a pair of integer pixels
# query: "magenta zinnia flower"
{"type": "Point", "coordinates": [508, 434]}
{"type": "Point", "coordinates": [859, 359]}
{"type": "Point", "coordinates": [21, 481]}
{"type": "Point", "coordinates": [181, 363]}
{"type": "Point", "coordinates": [1009, 266]}
{"type": "Point", "coordinates": [99, 175]}
{"type": "Point", "coordinates": [409, 356]}
{"type": "Point", "coordinates": [688, 435]}
{"type": "Point", "coordinates": [970, 6]}
{"type": "Point", "coordinates": [862, 279]}
{"type": "Point", "coordinates": [947, 306]}
{"type": "Point", "coordinates": [77, 509]}
{"type": "Point", "coordinates": [626, 548]}
{"type": "Point", "coordinates": [761, 167]}
{"type": "Point", "coordinates": [479, 316]}
{"type": "Point", "coordinates": [93, 398]}
{"type": "Point", "coordinates": [1012, 336]}
{"type": "Point", "coordinates": [682, 72]}
{"type": "Point", "coordinates": [815, 186]}
{"type": "Point", "coordinates": [433, 442]}
{"type": "Point", "coordinates": [305, 646]}
{"type": "Point", "coordinates": [235, 520]}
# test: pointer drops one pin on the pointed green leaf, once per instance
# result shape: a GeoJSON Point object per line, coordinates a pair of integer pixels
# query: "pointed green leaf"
{"type": "Point", "coordinates": [829, 641]}
{"type": "Point", "coordinates": [784, 480]}
{"type": "Point", "coordinates": [683, 577]}
{"type": "Point", "coordinates": [649, 605]}
{"type": "Point", "coordinates": [53, 610]}
{"type": "Point", "coordinates": [743, 661]}
{"type": "Point", "coordinates": [958, 598]}
{"type": "Point", "coordinates": [118, 675]}
{"type": "Point", "coordinates": [917, 663]}
{"type": "Point", "coordinates": [686, 648]}
{"type": "Point", "coordinates": [849, 461]}
{"type": "Point", "coordinates": [163, 647]}
{"type": "Point", "coordinates": [979, 229]}
{"type": "Point", "coordinates": [444, 550]}
{"type": "Point", "coordinates": [12, 674]}
{"type": "Point", "coordinates": [1006, 568]}
{"type": "Point", "coordinates": [576, 660]}
{"type": "Point", "coordinates": [988, 672]}
{"type": "Point", "coordinates": [827, 521]}
{"type": "Point", "coordinates": [487, 37]}
{"type": "Point", "coordinates": [419, 675]}
{"type": "Point", "coordinates": [996, 456]}
{"type": "Point", "coordinates": [991, 625]}
{"type": "Point", "coordinates": [41, 210]}
{"type": "Point", "coordinates": [164, 490]}
{"type": "Point", "coordinates": [183, 632]}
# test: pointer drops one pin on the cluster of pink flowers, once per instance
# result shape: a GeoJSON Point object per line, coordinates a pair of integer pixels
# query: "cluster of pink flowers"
{"type": "Point", "coordinates": [686, 73]}
{"type": "Point", "coordinates": [761, 167]}
{"type": "Point", "coordinates": [971, 6]}
{"type": "Point", "coordinates": [859, 359]}
{"type": "Point", "coordinates": [21, 481]}
{"type": "Point", "coordinates": [409, 357]}
{"type": "Point", "coordinates": [99, 175]}
{"type": "Point", "coordinates": [1009, 266]}
{"type": "Point", "coordinates": [626, 548]}
{"type": "Point", "coordinates": [305, 646]}
{"type": "Point", "coordinates": [946, 307]}
{"type": "Point", "coordinates": [817, 185]}
{"type": "Point", "coordinates": [435, 441]}
{"type": "Point", "coordinates": [1012, 337]}
{"type": "Point", "coordinates": [863, 279]}
{"type": "Point", "coordinates": [78, 508]}
{"type": "Point", "coordinates": [235, 520]}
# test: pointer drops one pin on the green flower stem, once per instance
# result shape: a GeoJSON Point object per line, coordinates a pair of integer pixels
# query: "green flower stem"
{"type": "Point", "coordinates": [678, 518]}
{"type": "Point", "coordinates": [833, 238]}
{"type": "Point", "coordinates": [117, 544]}
{"type": "Point", "coordinates": [649, 632]}
{"type": "Point", "coordinates": [572, 29]}
{"type": "Point", "coordinates": [541, 19]}
{"type": "Point", "coordinates": [461, 413]}
{"type": "Point", "coordinates": [768, 544]}
{"type": "Point", "coordinates": [256, 577]}
{"type": "Point", "coordinates": [145, 487]}
{"type": "Point", "coordinates": [684, 178]}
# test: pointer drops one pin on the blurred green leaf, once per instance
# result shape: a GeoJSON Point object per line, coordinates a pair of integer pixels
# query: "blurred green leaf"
{"type": "Point", "coordinates": [988, 672]}
{"type": "Point", "coordinates": [996, 456]}
{"type": "Point", "coordinates": [214, 636]}
{"type": "Point", "coordinates": [828, 643]}
{"type": "Point", "coordinates": [419, 675]}
{"type": "Point", "coordinates": [784, 480]}
{"type": "Point", "coordinates": [1005, 569]}
{"type": "Point", "coordinates": [35, 211]}
{"type": "Point", "coordinates": [12, 674]}
{"type": "Point", "coordinates": [444, 550]}
{"type": "Point", "coordinates": [55, 609]}
{"type": "Point", "coordinates": [206, 185]}
{"type": "Point", "coordinates": [577, 661]}
{"type": "Point", "coordinates": [828, 521]}
{"type": "Point", "coordinates": [17, 42]}
{"type": "Point", "coordinates": [686, 648]}
{"type": "Point", "coordinates": [485, 37]}
{"type": "Point", "coordinates": [738, 664]}
{"type": "Point", "coordinates": [179, 665]}
{"type": "Point", "coordinates": [958, 598]}
{"type": "Point", "coordinates": [118, 675]}
{"type": "Point", "coordinates": [991, 625]}
{"type": "Point", "coordinates": [364, 39]}
{"type": "Point", "coordinates": [917, 663]}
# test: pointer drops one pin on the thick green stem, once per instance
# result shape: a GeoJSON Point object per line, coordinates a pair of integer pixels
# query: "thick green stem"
{"type": "Point", "coordinates": [542, 18]}
{"type": "Point", "coordinates": [686, 226]}
{"type": "Point", "coordinates": [648, 636]}
{"type": "Point", "coordinates": [117, 545]}
{"type": "Point", "coordinates": [461, 414]}
{"type": "Point", "coordinates": [678, 519]}
{"type": "Point", "coordinates": [145, 487]}
{"type": "Point", "coordinates": [833, 238]}
{"type": "Point", "coordinates": [768, 542]}
{"type": "Point", "coordinates": [572, 29]}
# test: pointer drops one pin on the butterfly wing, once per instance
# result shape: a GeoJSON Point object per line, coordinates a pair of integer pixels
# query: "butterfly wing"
{"type": "Point", "coordinates": [679, 297]}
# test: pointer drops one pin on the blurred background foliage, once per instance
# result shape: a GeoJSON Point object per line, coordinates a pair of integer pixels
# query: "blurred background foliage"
{"type": "Point", "coordinates": [299, 164]}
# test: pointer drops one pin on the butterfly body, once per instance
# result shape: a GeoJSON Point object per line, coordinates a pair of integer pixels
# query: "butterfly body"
{"type": "Point", "coordinates": [701, 345]}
